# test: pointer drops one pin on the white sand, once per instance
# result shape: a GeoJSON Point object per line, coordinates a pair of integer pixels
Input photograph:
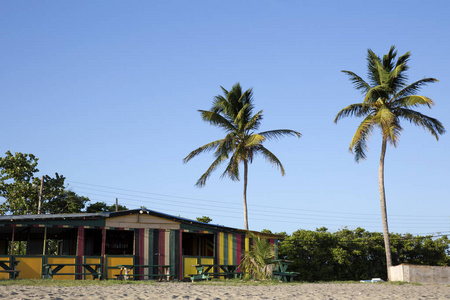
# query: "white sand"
{"type": "Point", "coordinates": [179, 290]}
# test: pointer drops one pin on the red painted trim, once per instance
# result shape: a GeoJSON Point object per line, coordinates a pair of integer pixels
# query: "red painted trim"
{"type": "Point", "coordinates": [103, 241]}
{"type": "Point", "coordinates": [80, 249]}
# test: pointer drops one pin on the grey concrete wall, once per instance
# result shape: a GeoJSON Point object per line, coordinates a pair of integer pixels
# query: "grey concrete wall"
{"type": "Point", "coordinates": [420, 274]}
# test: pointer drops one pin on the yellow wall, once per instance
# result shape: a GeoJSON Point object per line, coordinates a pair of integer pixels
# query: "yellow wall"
{"type": "Point", "coordinates": [4, 275]}
{"type": "Point", "coordinates": [221, 254]}
{"type": "Point", "coordinates": [114, 261]}
{"type": "Point", "coordinates": [91, 260]}
{"type": "Point", "coordinates": [29, 267]}
{"type": "Point", "coordinates": [65, 269]}
{"type": "Point", "coordinates": [230, 248]}
{"type": "Point", "coordinates": [188, 266]}
{"type": "Point", "coordinates": [189, 262]}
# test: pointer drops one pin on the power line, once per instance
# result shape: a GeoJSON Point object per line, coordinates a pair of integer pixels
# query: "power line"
{"type": "Point", "coordinates": [228, 204]}
{"type": "Point", "coordinates": [282, 215]}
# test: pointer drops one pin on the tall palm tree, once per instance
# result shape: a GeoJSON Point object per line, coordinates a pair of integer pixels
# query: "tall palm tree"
{"type": "Point", "coordinates": [387, 100]}
{"type": "Point", "coordinates": [233, 112]}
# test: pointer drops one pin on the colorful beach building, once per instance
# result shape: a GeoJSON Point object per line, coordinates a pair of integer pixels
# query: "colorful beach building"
{"type": "Point", "coordinates": [140, 237]}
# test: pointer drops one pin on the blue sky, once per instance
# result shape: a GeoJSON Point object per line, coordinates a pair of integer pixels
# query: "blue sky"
{"type": "Point", "coordinates": [107, 92]}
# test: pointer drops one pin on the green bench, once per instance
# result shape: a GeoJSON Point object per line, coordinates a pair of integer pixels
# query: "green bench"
{"type": "Point", "coordinates": [13, 274]}
{"type": "Point", "coordinates": [280, 272]}
{"type": "Point", "coordinates": [125, 275]}
{"type": "Point", "coordinates": [203, 272]}
{"type": "Point", "coordinates": [285, 275]}
{"type": "Point", "coordinates": [95, 270]}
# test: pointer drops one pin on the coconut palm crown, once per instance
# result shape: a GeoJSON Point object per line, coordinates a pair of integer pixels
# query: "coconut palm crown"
{"type": "Point", "coordinates": [233, 112]}
{"type": "Point", "coordinates": [387, 100]}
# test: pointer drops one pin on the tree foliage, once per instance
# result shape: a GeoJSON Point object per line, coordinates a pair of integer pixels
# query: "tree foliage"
{"type": "Point", "coordinates": [257, 263]}
{"type": "Point", "coordinates": [98, 207]}
{"type": "Point", "coordinates": [233, 113]}
{"type": "Point", "coordinates": [204, 219]}
{"type": "Point", "coordinates": [388, 100]}
{"type": "Point", "coordinates": [20, 188]}
{"type": "Point", "coordinates": [357, 254]}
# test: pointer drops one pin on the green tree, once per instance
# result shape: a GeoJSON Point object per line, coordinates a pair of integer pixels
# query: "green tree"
{"type": "Point", "coordinates": [357, 254]}
{"type": "Point", "coordinates": [387, 100]}
{"type": "Point", "coordinates": [66, 202]}
{"type": "Point", "coordinates": [20, 187]}
{"type": "Point", "coordinates": [98, 207]}
{"type": "Point", "coordinates": [204, 219]}
{"type": "Point", "coordinates": [233, 113]}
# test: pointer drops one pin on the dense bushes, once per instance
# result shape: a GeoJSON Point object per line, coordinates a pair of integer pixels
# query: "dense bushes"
{"type": "Point", "coordinates": [357, 254]}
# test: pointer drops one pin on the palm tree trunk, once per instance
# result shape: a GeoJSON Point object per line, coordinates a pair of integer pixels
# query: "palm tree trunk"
{"type": "Point", "coordinates": [245, 194]}
{"type": "Point", "coordinates": [384, 210]}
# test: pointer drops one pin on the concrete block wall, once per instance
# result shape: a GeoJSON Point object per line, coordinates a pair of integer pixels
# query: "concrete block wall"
{"type": "Point", "coordinates": [420, 274]}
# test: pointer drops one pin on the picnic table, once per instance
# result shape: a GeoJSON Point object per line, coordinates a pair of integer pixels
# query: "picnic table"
{"type": "Point", "coordinates": [280, 271]}
{"type": "Point", "coordinates": [50, 270]}
{"type": "Point", "coordinates": [204, 271]}
{"type": "Point", "coordinates": [9, 266]}
{"type": "Point", "coordinates": [163, 271]}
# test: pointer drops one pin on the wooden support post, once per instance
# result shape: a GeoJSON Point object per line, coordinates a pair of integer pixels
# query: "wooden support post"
{"type": "Point", "coordinates": [80, 249]}
{"type": "Point", "coordinates": [40, 195]}
{"type": "Point", "coordinates": [45, 241]}
{"type": "Point", "coordinates": [12, 240]}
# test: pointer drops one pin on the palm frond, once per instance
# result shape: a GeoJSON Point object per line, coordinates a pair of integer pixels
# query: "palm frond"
{"type": "Point", "coordinates": [373, 66]}
{"type": "Point", "coordinates": [204, 148]}
{"type": "Point", "coordinates": [356, 109]}
{"type": "Point", "coordinates": [414, 87]}
{"type": "Point", "coordinates": [403, 60]}
{"type": "Point", "coordinates": [219, 105]}
{"type": "Point", "coordinates": [358, 82]}
{"type": "Point", "coordinates": [271, 158]}
{"type": "Point", "coordinates": [241, 117]}
{"type": "Point", "coordinates": [232, 169]}
{"type": "Point", "coordinates": [253, 140]}
{"type": "Point", "coordinates": [276, 134]}
{"type": "Point", "coordinates": [413, 101]}
{"type": "Point", "coordinates": [257, 263]}
{"type": "Point", "coordinates": [376, 93]}
{"type": "Point", "coordinates": [358, 145]}
{"type": "Point", "coordinates": [216, 119]}
{"type": "Point", "coordinates": [388, 59]}
{"type": "Point", "coordinates": [433, 125]}
{"type": "Point", "coordinates": [397, 78]}
{"type": "Point", "coordinates": [226, 145]}
{"type": "Point", "coordinates": [392, 132]}
{"type": "Point", "coordinates": [254, 122]}
{"type": "Point", "coordinates": [202, 180]}
{"type": "Point", "coordinates": [384, 117]}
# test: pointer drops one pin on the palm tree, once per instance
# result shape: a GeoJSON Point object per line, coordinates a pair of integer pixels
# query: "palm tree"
{"type": "Point", "coordinates": [388, 99]}
{"type": "Point", "coordinates": [233, 112]}
{"type": "Point", "coordinates": [258, 262]}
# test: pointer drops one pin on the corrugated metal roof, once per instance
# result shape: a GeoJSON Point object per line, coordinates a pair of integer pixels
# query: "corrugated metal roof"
{"type": "Point", "coordinates": [105, 215]}
{"type": "Point", "coordinates": [54, 216]}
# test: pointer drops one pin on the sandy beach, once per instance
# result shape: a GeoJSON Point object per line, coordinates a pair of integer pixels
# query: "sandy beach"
{"type": "Point", "coordinates": [179, 290]}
